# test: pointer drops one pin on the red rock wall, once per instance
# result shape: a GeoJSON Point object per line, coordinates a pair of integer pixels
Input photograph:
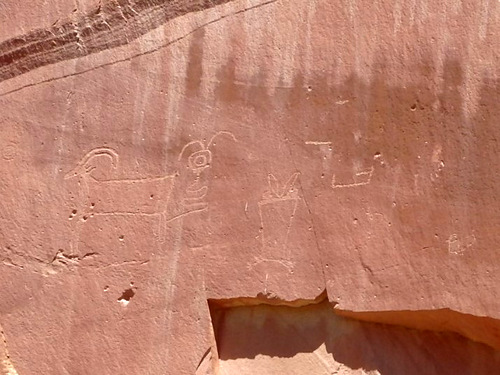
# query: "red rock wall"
{"type": "Point", "coordinates": [314, 340]}
{"type": "Point", "coordinates": [159, 154]}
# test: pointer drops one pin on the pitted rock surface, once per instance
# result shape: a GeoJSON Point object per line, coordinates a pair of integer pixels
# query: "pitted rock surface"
{"type": "Point", "coordinates": [249, 187]}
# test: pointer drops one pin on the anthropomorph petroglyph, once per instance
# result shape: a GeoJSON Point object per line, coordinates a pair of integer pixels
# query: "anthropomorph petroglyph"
{"type": "Point", "coordinates": [199, 159]}
{"type": "Point", "coordinates": [101, 194]}
{"type": "Point", "coordinates": [277, 210]}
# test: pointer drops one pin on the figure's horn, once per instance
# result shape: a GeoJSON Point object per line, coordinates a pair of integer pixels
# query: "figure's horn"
{"type": "Point", "coordinates": [223, 132]}
{"type": "Point", "coordinates": [100, 151]}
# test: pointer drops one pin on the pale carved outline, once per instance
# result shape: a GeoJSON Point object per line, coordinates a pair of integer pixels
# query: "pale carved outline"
{"type": "Point", "coordinates": [275, 194]}
{"type": "Point", "coordinates": [192, 201]}
{"type": "Point", "coordinates": [459, 246]}
{"type": "Point", "coordinates": [361, 178]}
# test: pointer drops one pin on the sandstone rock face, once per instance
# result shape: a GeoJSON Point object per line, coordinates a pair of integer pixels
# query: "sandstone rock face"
{"type": "Point", "coordinates": [249, 187]}
{"type": "Point", "coordinates": [312, 340]}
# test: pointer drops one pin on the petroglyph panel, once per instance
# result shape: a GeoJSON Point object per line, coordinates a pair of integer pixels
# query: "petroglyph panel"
{"type": "Point", "coordinates": [158, 154]}
{"type": "Point", "coordinates": [146, 197]}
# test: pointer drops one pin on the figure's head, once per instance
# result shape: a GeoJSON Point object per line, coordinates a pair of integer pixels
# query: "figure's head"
{"type": "Point", "coordinates": [200, 155]}
{"type": "Point", "coordinates": [92, 160]}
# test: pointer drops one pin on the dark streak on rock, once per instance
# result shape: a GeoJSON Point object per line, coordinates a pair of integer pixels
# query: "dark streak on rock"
{"type": "Point", "coordinates": [110, 25]}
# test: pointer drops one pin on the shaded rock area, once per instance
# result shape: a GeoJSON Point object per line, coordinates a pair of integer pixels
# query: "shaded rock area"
{"type": "Point", "coordinates": [312, 339]}
{"type": "Point", "coordinates": [249, 187]}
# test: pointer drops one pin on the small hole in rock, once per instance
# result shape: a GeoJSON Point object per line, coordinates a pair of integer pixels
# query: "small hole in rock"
{"type": "Point", "coordinates": [126, 296]}
{"type": "Point", "coordinates": [413, 107]}
{"type": "Point", "coordinates": [121, 238]}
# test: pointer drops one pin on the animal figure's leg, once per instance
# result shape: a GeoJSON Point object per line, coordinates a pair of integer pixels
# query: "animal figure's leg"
{"type": "Point", "coordinates": [79, 214]}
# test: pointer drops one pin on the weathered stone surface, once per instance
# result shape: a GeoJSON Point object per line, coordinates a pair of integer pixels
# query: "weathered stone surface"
{"type": "Point", "coordinates": [159, 154]}
{"type": "Point", "coordinates": [312, 340]}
